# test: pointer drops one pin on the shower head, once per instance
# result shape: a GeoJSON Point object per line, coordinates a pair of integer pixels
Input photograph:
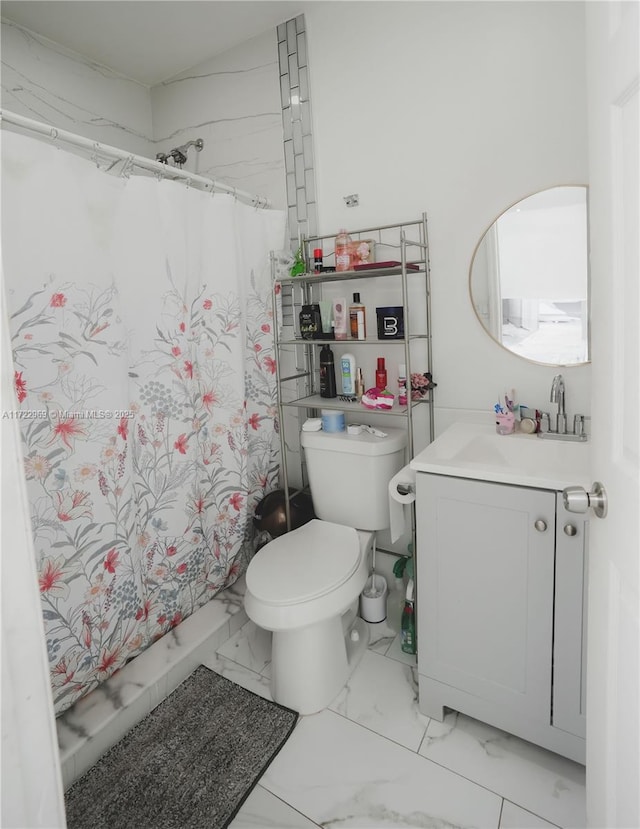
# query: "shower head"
{"type": "Point", "coordinates": [198, 143]}
{"type": "Point", "coordinates": [179, 154]}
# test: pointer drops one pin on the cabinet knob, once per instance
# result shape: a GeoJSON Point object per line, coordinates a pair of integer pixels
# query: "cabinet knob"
{"type": "Point", "coordinates": [540, 525]}
{"type": "Point", "coordinates": [570, 529]}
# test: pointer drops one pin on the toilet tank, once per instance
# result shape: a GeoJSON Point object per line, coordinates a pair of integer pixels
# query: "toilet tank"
{"type": "Point", "coordinates": [349, 475]}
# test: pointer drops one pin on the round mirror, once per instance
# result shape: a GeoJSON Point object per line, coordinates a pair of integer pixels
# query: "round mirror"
{"type": "Point", "coordinates": [529, 278]}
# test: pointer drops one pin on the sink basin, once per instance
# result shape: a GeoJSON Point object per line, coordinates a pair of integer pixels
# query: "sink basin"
{"type": "Point", "coordinates": [474, 450]}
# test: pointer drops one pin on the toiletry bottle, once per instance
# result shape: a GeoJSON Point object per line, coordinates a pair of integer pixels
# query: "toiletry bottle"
{"type": "Point", "coordinates": [408, 623]}
{"type": "Point", "coordinates": [327, 373]}
{"type": "Point", "coordinates": [357, 320]}
{"type": "Point", "coordinates": [359, 384]}
{"type": "Point", "coordinates": [317, 260]}
{"type": "Point", "coordinates": [326, 308]}
{"type": "Point", "coordinates": [310, 322]}
{"type": "Point", "coordinates": [343, 256]}
{"type": "Point", "coordinates": [348, 372]}
{"type": "Point", "coordinates": [402, 385]}
{"type": "Point", "coordinates": [340, 319]}
{"type": "Point", "coordinates": [397, 595]}
{"type": "Point", "coordinates": [381, 375]}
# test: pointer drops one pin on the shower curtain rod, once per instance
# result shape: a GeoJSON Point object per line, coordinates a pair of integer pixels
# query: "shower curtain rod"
{"type": "Point", "coordinates": [11, 119]}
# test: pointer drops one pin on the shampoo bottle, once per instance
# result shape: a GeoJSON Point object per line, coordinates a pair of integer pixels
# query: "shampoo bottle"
{"type": "Point", "coordinates": [381, 375]}
{"type": "Point", "coordinates": [357, 320]}
{"type": "Point", "coordinates": [327, 373]}
{"type": "Point", "coordinates": [348, 372]}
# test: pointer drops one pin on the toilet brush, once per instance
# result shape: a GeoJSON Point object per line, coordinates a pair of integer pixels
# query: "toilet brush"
{"type": "Point", "coordinates": [373, 599]}
{"type": "Point", "coordinates": [373, 566]}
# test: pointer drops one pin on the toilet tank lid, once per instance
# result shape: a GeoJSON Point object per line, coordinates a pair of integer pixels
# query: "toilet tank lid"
{"type": "Point", "coordinates": [363, 444]}
{"type": "Point", "coordinates": [304, 564]}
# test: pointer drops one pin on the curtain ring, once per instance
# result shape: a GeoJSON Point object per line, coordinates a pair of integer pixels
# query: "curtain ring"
{"type": "Point", "coordinates": [127, 167]}
{"type": "Point", "coordinates": [54, 134]}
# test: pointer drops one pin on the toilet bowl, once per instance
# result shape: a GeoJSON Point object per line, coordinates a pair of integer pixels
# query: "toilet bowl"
{"type": "Point", "coordinates": [303, 587]}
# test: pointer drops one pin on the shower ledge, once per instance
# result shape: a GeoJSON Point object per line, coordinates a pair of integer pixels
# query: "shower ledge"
{"type": "Point", "coordinates": [102, 718]}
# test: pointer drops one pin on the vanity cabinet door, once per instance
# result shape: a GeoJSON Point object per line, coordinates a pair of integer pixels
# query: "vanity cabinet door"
{"type": "Point", "coordinates": [570, 627]}
{"type": "Point", "coordinates": [486, 572]}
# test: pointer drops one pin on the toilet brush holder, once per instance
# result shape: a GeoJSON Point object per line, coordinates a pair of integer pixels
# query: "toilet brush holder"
{"type": "Point", "coordinates": [373, 599]}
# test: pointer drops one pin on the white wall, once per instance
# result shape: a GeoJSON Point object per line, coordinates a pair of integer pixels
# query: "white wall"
{"type": "Point", "coordinates": [458, 109]}
{"type": "Point", "coordinates": [44, 81]}
{"type": "Point", "coordinates": [232, 102]}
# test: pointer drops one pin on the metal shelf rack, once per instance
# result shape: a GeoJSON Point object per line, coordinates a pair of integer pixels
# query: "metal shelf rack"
{"type": "Point", "coordinates": [298, 384]}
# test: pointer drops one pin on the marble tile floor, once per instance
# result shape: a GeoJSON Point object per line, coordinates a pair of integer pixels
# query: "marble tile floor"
{"type": "Point", "coordinates": [372, 760]}
{"type": "Point", "coordinates": [369, 760]}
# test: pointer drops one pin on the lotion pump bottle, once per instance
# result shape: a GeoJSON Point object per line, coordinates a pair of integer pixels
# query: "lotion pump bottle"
{"type": "Point", "coordinates": [381, 375]}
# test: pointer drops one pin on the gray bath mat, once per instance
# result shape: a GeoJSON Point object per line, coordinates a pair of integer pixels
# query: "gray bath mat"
{"type": "Point", "coordinates": [190, 764]}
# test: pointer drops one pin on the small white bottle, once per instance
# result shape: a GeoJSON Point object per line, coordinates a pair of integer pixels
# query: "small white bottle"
{"type": "Point", "coordinates": [402, 385]}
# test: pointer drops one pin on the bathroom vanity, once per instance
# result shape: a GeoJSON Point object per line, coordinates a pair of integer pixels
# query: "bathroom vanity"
{"type": "Point", "coordinates": [501, 570]}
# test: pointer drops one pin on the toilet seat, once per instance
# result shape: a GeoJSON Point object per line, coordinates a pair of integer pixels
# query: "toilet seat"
{"type": "Point", "coordinates": [305, 564]}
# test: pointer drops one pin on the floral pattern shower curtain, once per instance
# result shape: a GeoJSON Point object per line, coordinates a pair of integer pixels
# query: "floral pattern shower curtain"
{"type": "Point", "coordinates": [141, 325]}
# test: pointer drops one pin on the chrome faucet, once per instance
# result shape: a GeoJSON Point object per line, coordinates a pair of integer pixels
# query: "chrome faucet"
{"type": "Point", "coordinates": [557, 396]}
{"type": "Point", "coordinates": [560, 432]}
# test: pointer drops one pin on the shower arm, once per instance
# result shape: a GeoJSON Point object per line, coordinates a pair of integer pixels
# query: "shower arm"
{"type": "Point", "coordinates": [179, 154]}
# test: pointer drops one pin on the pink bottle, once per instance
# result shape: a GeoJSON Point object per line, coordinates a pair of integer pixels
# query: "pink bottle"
{"type": "Point", "coordinates": [343, 255]}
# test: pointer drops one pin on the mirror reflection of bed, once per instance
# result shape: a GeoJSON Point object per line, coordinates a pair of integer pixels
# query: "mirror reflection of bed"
{"type": "Point", "coordinates": [529, 277]}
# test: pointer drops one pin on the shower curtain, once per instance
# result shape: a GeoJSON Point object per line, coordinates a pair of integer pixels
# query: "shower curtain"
{"type": "Point", "coordinates": [141, 327]}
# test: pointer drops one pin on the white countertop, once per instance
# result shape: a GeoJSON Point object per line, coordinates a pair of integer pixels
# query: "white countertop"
{"type": "Point", "coordinates": [474, 450]}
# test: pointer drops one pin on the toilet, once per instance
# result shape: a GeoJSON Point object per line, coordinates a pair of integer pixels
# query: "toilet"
{"type": "Point", "coordinates": [304, 585]}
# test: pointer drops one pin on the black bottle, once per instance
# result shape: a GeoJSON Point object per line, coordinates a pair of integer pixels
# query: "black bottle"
{"type": "Point", "coordinates": [327, 373]}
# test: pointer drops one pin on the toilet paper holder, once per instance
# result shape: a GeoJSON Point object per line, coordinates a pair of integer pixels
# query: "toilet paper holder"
{"type": "Point", "coordinates": [404, 489]}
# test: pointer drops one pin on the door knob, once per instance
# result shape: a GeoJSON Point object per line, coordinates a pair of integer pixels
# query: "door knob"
{"type": "Point", "coordinates": [577, 499]}
{"type": "Point", "coordinates": [540, 525]}
{"type": "Point", "coordinates": [570, 529]}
